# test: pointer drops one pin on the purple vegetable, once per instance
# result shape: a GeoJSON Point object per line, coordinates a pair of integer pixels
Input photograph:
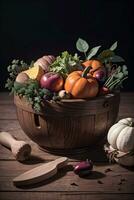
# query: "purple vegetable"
{"type": "Point", "coordinates": [51, 81]}
{"type": "Point", "coordinates": [100, 75]}
{"type": "Point", "coordinates": [84, 167]}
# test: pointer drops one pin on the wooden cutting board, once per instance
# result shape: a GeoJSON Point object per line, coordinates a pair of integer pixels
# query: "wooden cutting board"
{"type": "Point", "coordinates": [40, 173]}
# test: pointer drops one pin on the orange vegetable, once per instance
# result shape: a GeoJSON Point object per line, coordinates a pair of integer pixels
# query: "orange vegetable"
{"type": "Point", "coordinates": [94, 64]}
{"type": "Point", "coordinates": [35, 72]}
{"type": "Point", "coordinates": [81, 84]}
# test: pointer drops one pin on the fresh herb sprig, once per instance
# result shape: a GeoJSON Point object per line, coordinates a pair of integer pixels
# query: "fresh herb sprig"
{"type": "Point", "coordinates": [65, 64]}
{"type": "Point", "coordinates": [14, 69]}
{"type": "Point", "coordinates": [104, 56]}
{"type": "Point", "coordinates": [116, 78]}
{"type": "Point", "coordinates": [32, 92]}
{"type": "Point", "coordinates": [83, 47]}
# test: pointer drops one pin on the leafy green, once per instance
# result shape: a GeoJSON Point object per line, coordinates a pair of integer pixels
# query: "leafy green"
{"type": "Point", "coordinates": [14, 69]}
{"type": "Point", "coordinates": [30, 89]}
{"type": "Point", "coordinates": [82, 45]}
{"type": "Point", "coordinates": [116, 78]}
{"type": "Point", "coordinates": [32, 92]}
{"type": "Point", "coordinates": [105, 55]}
{"type": "Point", "coordinates": [65, 64]}
{"type": "Point", "coordinates": [114, 46]}
{"type": "Point", "coordinates": [93, 52]}
{"type": "Point", "coordinates": [115, 59]}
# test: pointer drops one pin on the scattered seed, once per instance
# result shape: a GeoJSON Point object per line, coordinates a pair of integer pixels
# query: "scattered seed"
{"type": "Point", "coordinates": [123, 179]}
{"type": "Point", "coordinates": [74, 184]}
{"type": "Point", "coordinates": [116, 175]}
{"type": "Point", "coordinates": [100, 182]}
{"type": "Point", "coordinates": [108, 170]}
{"type": "Point", "coordinates": [119, 183]}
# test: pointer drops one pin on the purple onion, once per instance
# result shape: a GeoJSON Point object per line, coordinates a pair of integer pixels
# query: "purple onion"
{"type": "Point", "coordinates": [48, 79]}
{"type": "Point", "coordinates": [84, 168]}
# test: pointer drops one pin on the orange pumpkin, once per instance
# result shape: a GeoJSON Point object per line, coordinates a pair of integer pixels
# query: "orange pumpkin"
{"type": "Point", "coordinates": [81, 84]}
{"type": "Point", "coordinates": [94, 64]}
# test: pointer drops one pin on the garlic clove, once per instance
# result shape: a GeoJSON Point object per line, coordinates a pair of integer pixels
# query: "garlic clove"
{"type": "Point", "coordinates": [125, 159]}
{"type": "Point", "coordinates": [122, 158]}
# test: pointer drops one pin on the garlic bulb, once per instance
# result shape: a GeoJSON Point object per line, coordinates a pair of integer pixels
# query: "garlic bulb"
{"type": "Point", "coordinates": [125, 159]}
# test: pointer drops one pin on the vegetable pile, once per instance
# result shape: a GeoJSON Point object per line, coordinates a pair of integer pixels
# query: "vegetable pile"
{"type": "Point", "coordinates": [66, 76]}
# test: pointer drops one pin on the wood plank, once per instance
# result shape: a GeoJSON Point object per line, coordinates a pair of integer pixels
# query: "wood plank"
{"type": "Point", "coordinates": [62, 196]}
{"type": "Point", "coordinates": [7, 111]}
{"type": "Point", "coordinates": [5, 98]}
{"type": "Point", "coordinates": [95, 153]}
{"type": "Point", "coordinates": [98, 182]}
{"type": "Point", "coordinates": [37, 155]}
{"type": "Point", "coordinates": [66, 185]}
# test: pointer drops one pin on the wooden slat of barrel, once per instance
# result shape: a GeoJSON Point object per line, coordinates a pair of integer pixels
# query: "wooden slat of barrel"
{"type": "Point", "coordinates": [68, 124]}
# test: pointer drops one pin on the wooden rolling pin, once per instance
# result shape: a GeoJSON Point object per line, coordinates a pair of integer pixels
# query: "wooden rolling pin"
{"type": "Point", "coordinates": [40, 173]}
{"type": "Point", "coordinates": [20, 149]}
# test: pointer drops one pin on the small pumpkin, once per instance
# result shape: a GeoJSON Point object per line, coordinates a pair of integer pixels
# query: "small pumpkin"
{"type": "Point", "coordinates": [81, 84]}
{"type": "Point", "coordinates": [121, 135]}
{"type": "Point", "coordinates": [97, 70]}
{"type": "Point", "coordinates": [94, 64]}
{"type": "Point", "coordinates": [45, 62]}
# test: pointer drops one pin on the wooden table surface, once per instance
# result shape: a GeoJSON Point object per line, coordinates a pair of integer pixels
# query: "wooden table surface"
{"type": "Point", "coordinates": [116, 183]}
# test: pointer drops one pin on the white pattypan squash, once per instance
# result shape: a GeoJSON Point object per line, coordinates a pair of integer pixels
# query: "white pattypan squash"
{"type": "Point", "coordinates": [121, 135]}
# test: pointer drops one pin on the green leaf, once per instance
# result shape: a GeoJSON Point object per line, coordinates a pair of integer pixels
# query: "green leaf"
{"type": "Point", "coordinates": [116, 58]}
{"type": "Point", "coordinates": [93, 52]}
{"type": "Point", "coordinates": [118, 70]}
{"type": "Point", "coordinates": [65, 64]}
{"type": "Point", "coordinates": [82, 45]}
{"type": "Point", "coordinates": [124, 70]}
{"type": "Point", "coordinates": [114, 46]}
{"type": "Point", "coordinates": [105, 55]}
{"type": "Point", "coordinates": [119, 75]}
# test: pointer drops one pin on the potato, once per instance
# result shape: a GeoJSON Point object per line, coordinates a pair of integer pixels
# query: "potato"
{"type": "Point", "coordinates": [22, 77]}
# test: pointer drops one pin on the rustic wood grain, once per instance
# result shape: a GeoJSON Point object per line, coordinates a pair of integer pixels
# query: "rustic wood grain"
{"type": "Point", "coordinates": [63, 196]}
{"type": "Point", "coordinates": [60, 126]}
{"type": "Point", "coordinates": [65, 180]}
{"type": "Point", "coordinates": [8, 111]}
{"type": "Point", "coordinates": [103, 184]}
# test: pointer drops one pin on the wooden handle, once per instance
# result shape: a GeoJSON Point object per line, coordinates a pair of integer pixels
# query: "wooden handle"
{"type": "Point", "coordinates": [40, 173]}
{"type": "Point", "coordinates": [6, 139]}
{"type": "Point", "coordinates": [20, 149]}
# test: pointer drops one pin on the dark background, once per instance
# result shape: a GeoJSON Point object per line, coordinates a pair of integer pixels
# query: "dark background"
{"type": "Point", "coordinates": [30, 29]}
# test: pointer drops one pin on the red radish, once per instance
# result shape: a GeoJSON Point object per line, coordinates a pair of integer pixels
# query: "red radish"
{"type": "Point", "coordinates": [104, 90]}
{"type": "Point", "coordinates": [84, 168]}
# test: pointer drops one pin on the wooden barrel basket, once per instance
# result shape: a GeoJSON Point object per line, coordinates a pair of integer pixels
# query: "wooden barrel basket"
{"type": "Point", "coordinates": [68, 125]}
